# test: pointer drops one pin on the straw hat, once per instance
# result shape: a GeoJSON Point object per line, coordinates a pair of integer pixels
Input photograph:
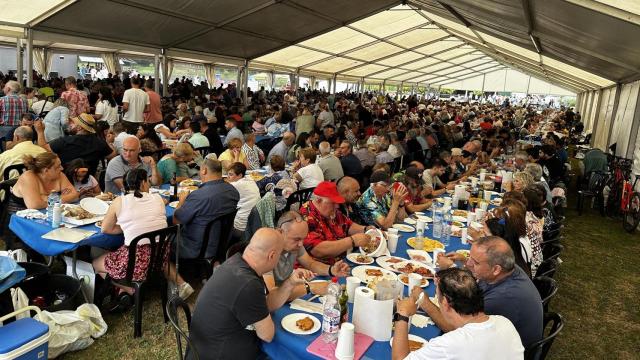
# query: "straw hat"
{"type": "Point", "coordinates": [86, 122]}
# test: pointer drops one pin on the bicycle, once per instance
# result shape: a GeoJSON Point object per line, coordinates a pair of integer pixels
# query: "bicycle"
{"type": "Point", "coordinates": [630, 205]}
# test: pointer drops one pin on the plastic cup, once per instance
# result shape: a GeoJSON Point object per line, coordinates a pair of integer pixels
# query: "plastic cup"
{"type": "Point", "coordinates": [463, 239]}
{"type": "Point", "coordinates": [414, 280]}
{"type": "Point", "coordinates": [392, 242]}
{"type": "Point", "coordinates": [435, 256]}
{"type": "Point", "coordinates": [484, 205]}
{"type": "Point", "coordinates": [483, 176]}
{"type": "Point", "coordinates": [471, 217]}
{"type": "Point", "coordinates": [345, 346]}
{"type": "Point", "coordinates": [480, 214]}
{"type": "Point", "coordinates": [487, 195]}
{"type": "Point", "coordinates": [393, 231]}
{"type": "Point", "coordinates": [352, 283]}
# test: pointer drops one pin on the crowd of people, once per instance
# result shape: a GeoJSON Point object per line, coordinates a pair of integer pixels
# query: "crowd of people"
{"type": "Point", "coordinates": [371, 160]}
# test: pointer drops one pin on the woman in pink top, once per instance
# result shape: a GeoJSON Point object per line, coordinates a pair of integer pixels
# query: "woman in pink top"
{"type": "Point", "coordinates": [134, 214]}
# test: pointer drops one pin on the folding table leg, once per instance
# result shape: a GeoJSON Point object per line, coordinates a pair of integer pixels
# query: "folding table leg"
{"type": "Point", "coordinates": [75, 275]}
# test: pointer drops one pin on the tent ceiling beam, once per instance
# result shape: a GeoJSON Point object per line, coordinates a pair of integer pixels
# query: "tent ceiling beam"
{"type": "Point", "coordinates": [528, 17]}
{"type": "Point", "coordinates": [452, 72]}
{"type": "Point", "coordinates": [484, 72]}
{"type": "Point", "coordinates": [401, 66]}
{"type": "Point", "coordinates": [50, 12]}
{"type": "Point", "coordinates": [608, 10]}
{"type": "Point", "coordinates": [363, 46]}
{"type": "Point", "coordinates": [375, 61]}
{"type": "Point", "coordinates": [496, 53]}
{"type": "Point", "coordinates": [440, 61]}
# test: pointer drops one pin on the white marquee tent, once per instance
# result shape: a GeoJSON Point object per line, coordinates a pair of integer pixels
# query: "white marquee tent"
{"type": "Point", "coordinates": [583, 47]}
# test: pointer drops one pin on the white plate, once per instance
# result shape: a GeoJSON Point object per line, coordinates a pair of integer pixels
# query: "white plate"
{"type": "Point", "coordinates": [461, 219]}
{"type": "Point", "coordinates": [424, 218]}
{"type": "Point", "coordinates": [465, 215]}
{"type": "Point", "coordinates": [464, 252]}
{"type": "Point", "coordinates": [410, 221]}
{"type": "Point", "coordinates": [496, 202]}
{"type": "Point", "coordinates": [403, 277]}
{"type": "Point", "coordinates": [289, 323]}
{"type": "Point", "coordinates": [456, 231]}
{"type": "Point", "coordinates": [414, 253]}
{"type": "Point", "coordinates": [404, 227]}
{"type": "Point", "coordinates": [419, 213]}
{"type": "Point", "coordinates": [395, 266]}
{"type": "Point", "coordinates": [174, 204]}
{"type": "Point", "coordinates": [353, 258]}
{"type": "Point", "coordinates": [360, 273]}
{"type": "Point", "coordinates": [94, 206]}
{"type": "Point", "coordinates": [383, 262]}
{"type": "Point", "coordinates": [79, 222]}
{"type": "Point", "coordinates": [411, 337]}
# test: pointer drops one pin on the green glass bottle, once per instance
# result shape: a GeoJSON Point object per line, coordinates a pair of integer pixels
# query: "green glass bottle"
{"type": "Point", "coordinates": [344, 307]}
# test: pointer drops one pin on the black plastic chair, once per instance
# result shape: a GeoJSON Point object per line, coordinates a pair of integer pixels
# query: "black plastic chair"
{"type": "Point", "coordinates": [173, 305]}
{"type": "Point", "coordinates": [219, 230]}
{"type": "Point", "coordinates": [299, 197]}
{"type": "Point", "coordinates": [237, 248]}
{"type": "Point", "coordinates": [396, 165]}
{"type": "Point", "coordinates": [20, 168]}
{"type": "Point", "coordinates": [595, 185]}
{"type": "Point", "coordinates": [552, 234]}
{"type": "Point", "coordinates": [160, 242]}
{"type": "Point", "coordinates": [552, 251]}
{"type": "Point", "coordinates": [548, 268]}
{"type": "Point", "coordinates": [204, 151]}
{"type": "Point", "coordinates": [540, 349]}
{"type": "Point", "coordinates": [547, 287]}
{"type": "Point", "coordinates": [5, 186]}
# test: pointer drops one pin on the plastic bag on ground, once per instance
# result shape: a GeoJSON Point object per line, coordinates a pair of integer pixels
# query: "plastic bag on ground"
{"type": "Point", "coordinates": [20, 300]}
{"type": "Point", "coordinates": [73, 330]}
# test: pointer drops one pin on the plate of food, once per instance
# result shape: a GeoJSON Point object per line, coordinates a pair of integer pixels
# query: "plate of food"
{"type": "Point", "coordinates": [98, 224]}
{"type": "Point", "coordinates": [415, 342]}
{"type": "Point", "coordinates": [414, 267]}
{"type": "Point", "coordinates": [429, 244]}
{"type": "Point", "coordinates": [108, 196]}
{"type": "Point", "coordinates": [174, 204]}
{"type": "Point", "coordinates": [458, 224]}
{"type": "Point", "coordinates": [94, 206]}
{"type": "Point", "coordinates": [424, 218]}
{"type": "Point", "coordinates": [404, 227]}
{"type": "Point", "coordinates": [456, 231]}
{"type": "Point", "coordinates": [420, 256]}
{"type": "Point", "coordinates": [464, 252]}
{"type": "Point", "coordinates": [76, 215]}
{"type": "Point", "coordinates": [404, 279]}
{"type": "Point", "coordinates": [459, 212]}
{"type": "Point", "coordinates": [368, 273]}
{"type": "Point", "coordinates": [496, 202]}
{"type": "Point", "coordinates": [376, 246]}
{"type": "Point", "coordinates": [462, 219]}
{"type": "Point", "coordinates": [410, 221]}
{"type": "Point", "coordinates": [190, 182]}
{"type": "Point", "coordinates": [301, 323]}
{"type": "Point", "coordinates": [360, 259]}
{"type": "Point", "coordinates": [387, 262]}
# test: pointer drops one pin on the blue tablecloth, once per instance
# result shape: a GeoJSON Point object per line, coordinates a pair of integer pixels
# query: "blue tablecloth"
{"type": "Point", "coordinates": [31, 231]}
{"type": "Point", "coordinates": [286, 345]}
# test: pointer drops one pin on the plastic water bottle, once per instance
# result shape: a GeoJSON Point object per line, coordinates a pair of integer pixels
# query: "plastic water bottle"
{"type": "Point", "coordinates": [419, 238]}
{"type": "Point", "coordinates": [437, 223]}
{"type": "Point", "coordinates": [52, 200]}
{"type": "Point", "coordinates": [331, 312]}
{"type": "Point", "coordinates": [446, 229]}
{"type": "Point", "coordinates": [57, 216]}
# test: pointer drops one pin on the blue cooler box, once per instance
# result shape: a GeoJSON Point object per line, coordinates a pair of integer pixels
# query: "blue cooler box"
{"type": "Point", "coordinates": [24, 339]}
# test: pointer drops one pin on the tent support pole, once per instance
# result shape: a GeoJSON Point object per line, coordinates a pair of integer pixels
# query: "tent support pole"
{"type": "Point", "coordinates": [239, 82]}
{"type": "Point", "coordinates": [335, 80]}
{"type": "Point", "coordinates": [273, 80]}
{"type": "Point", "coordinates": [245, 82]}
{"type": "Point", "coordinates": [29, 58]}
{"type": "Point", "coordinates": [156, 73]}
{"type": "Point", "coordinates": [165, 70]}
{"type": "Point", "coordinates": [19, 60]}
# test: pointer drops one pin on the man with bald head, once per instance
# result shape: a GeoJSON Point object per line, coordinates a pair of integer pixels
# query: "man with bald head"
{"type": "Point", "coordinates": [232, 313]}
{"type": "Point", "coordinates": [282, 148]}
{"type": "Point", "coordinates": [23, 145]}
{"type": "Point", "coordinates": [507, 289]}
{"type": "Point", "coordinates": [129, 159]}
{"type": "Point", "coordinates": [294, 230]}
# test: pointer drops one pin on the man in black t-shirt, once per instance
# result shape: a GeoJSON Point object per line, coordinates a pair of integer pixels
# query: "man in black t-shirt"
{"type": "Point", "coordinates": [231, 316]}
{"type": "Point", "coordinates": [82, 143]}
{"type": "Point", "coordinates": [208, 130]}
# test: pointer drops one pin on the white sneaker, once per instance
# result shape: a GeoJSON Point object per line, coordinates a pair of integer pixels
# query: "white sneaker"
{"type": "Point", "coordinates": [185, 290]}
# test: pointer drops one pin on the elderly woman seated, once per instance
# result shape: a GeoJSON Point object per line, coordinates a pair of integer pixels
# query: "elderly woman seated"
{"type": "Point", "coordinates": [43, 176]}
{"type": "Point", "coordinates": [134, 214]}
{"type": "Point", "coordinates": [232, 155]}
{"type": "Point", "coordinates": [176, 163]}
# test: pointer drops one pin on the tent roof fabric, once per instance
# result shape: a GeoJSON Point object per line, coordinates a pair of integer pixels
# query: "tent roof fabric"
{"type": "Point", "coordinates": [577, 45]}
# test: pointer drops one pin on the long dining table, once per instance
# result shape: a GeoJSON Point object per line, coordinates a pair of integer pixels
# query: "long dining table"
{"type": "Point", "coordinates": [286, 345]}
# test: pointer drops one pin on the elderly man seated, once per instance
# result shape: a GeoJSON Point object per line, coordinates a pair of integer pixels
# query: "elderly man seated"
{"type": "Point", "coordinates": [129, 159]}
{"type": "Point", "coordinates": [295, 230]}
{"type": "Point", "coordinates": [380, 204]}
{"type": "Point", "coordinates": [331, 233]}
{"type": "Point", "coordinates": [329, 163]}
{"type": "Point", "coordinates": [507, 289]}
{"type": "Point", "coordinates": [473, 335]}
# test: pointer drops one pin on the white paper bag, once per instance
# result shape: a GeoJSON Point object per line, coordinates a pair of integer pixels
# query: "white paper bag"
{"type": "Point", "coordinates": [372, 317]}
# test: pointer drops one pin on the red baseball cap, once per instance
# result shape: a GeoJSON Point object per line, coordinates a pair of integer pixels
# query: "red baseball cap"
{"type": "Point", "coordinates": [328, 190]}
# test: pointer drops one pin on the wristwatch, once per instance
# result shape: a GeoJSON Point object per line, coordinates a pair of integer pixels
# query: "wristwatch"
{"type": "Point", "coordinates": [307, 287]}
{"type": "Point", "coordinates": [399, 317]}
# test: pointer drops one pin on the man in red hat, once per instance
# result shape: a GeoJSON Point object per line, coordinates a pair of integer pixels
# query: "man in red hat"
{"type": "Point", "coordinates": [331, 233]}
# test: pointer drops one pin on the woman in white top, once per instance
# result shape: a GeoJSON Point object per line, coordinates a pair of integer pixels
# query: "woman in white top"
{"type": "Point", "coordinates": [106, 107]}
{"type": "Point", "coordinates": [134, 214]}
{"type": "Point", "coordinates": [308, 173]}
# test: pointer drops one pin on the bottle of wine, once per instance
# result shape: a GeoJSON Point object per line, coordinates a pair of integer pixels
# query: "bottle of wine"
{"type": "Point", "coordinates": [174, 181]}
{"type": "Point", "coordinates": [344, 307]}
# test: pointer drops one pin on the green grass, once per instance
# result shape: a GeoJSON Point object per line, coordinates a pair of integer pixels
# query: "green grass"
{"type": "Point", "coordinates": [599, 298]}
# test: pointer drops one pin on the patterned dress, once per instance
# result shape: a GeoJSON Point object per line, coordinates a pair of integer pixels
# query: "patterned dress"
{"type": "Point", "coordinates": [534, 233]}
